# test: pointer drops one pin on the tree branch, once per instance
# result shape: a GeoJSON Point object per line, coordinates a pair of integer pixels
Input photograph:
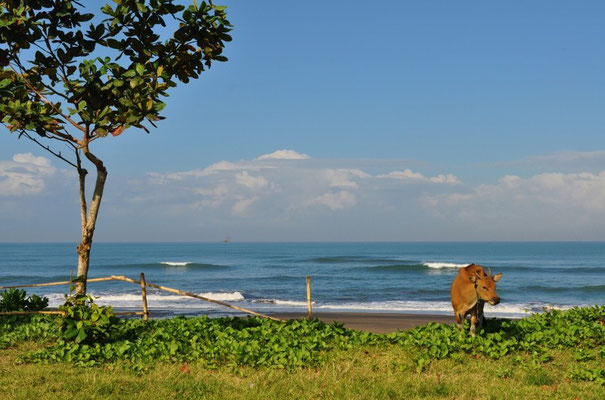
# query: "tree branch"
{"type": "Point", "coordinates": [64, 74]}
{"type": "Point", "coordinates": [47, 148]}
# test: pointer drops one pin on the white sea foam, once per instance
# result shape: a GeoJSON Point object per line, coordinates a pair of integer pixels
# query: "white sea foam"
{"type": "Point", "coordinates": [231, 296]}
{"type": "Point", "coordinates": [277, 302]}
{"type": "Point", "coordinates": [513, 310]}
{"type": "Point", "coordinates": [443, 265]}
{"type": "Point", "coordinates": [176, 263]}
{"type": "Point", "coordinates": [431, 307]}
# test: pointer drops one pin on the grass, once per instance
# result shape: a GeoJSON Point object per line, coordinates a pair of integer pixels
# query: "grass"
{"type": "Point", "coordinates": [552, 355]}
{"type": "Point", "coordinates": [374, 372]}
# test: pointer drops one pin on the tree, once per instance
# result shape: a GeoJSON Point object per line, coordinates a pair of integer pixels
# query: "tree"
{"type": "Point", "coordinates": [70, 77]}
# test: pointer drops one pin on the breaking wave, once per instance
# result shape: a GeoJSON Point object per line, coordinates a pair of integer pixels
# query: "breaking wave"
{"type": "Point", "coordinates": [444, 265]}
{"type": "Point", "coordinates": [292, 303]}
{"type": "Point", "coordinates": [176, 263]}
{"type": "Point", "coordinates": [354, 260]}
{"type": "Point", "coordinates": [163, 265]}
{"type": "Point", "coordinates": [158, 300]}
{"type": "Point", "coordinates": [417, 266]}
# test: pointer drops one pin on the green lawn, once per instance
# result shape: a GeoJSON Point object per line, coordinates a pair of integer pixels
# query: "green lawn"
{"type": "Point", "coordinates": [371, 373]}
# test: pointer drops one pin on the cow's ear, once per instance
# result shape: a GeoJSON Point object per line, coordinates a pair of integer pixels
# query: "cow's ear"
{"type": "Point", "coordinates": [472, 278]}
{"type": "Point", "coordinates": [497, 277]}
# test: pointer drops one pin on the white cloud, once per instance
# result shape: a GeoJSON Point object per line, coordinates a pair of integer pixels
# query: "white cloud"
{"type": "Point", "coordinates": [242, 206]}
{"type": "Point", "coordinates": [252, 182]}
{"type": "Point", "coordinates": [328, 199]}
{"type": "Point", "coordinates": [284, 155]}
{"type": "Point", "coordinates": [542, 197]}
{"type": "Point", "coordinates": [273, 187]}
{"type": "Point", "coordinates": [343, 177]}
{"type": "Point", "coordinates": [218, 167]}
{"type": "Point", "coordinates": [335, 201]}
{"type": "Point", "coordinates": [221, 166]}
{"type": "Point", "coordinates": [24, 175]}
{"type": "Point", "coordinates": [211, 197]}
{"type": "Point", "coordinates": [408, 175]}
{"type": "Point", "coordinates": [449, 179]}
{"type": "Point", "coordinates": [283, 195]}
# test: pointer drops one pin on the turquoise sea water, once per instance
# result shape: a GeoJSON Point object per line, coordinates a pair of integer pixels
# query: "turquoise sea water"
{"type": "Point", "coordinates": [267, 277]}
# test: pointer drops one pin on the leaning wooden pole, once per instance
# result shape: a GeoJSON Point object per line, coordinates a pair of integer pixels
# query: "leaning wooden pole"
{"type": "Point", "coordinates": [144, 296]}
{"type": "Point", "coordinates": [195, 296]}
{"type": "Point", "coordinates": [109, 278]}
{"type": "Point", "coordinates": [309, 308]}
{"type": "Point", "coordinates": [32, 312]}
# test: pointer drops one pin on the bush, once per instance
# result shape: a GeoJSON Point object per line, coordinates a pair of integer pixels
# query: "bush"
{"type": "Point", "coordinates": [86, 322]}
{"type": "Point", "coordinates": [577, 328]}
{"type": "Point", "coordinates": [213, 341]}
{"type": "Point", "coordinates": [17, 300]}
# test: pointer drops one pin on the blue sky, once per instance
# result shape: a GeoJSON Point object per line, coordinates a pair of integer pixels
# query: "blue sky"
{"type": "Point", "coordinates": [506, 97]}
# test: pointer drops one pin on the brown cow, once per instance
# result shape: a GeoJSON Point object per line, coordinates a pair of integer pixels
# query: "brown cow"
{"type": "Point", "coordinates": [471, 288]}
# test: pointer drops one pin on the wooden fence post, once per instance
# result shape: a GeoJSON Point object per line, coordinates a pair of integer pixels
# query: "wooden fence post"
{"type": "Point", "coordinates": [144, 296]}
{"type": "Point", "coordinates": [310, 311]}
{"type": "Point", "coordinates": [71, 272]}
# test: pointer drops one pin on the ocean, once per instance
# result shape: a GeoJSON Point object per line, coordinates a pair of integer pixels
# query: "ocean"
{"type": "Point", "coordinates": [271, 277]}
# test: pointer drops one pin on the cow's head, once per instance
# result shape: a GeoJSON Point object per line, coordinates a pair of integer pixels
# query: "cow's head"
{"type": "Point", "coordinates": [485, 285]}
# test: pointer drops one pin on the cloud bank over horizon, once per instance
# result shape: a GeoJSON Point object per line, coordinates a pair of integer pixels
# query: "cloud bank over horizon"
{"type": "Point", "coordinates": [289, 196]}
{"type": "Point", "coordinates": [24, 175]}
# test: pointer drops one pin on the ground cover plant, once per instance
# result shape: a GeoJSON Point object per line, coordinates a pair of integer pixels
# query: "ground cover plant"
{"type": "Point", "coordinates": [545, 351]}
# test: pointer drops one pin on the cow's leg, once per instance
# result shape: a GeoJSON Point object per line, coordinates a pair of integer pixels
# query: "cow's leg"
{"type": "Point", "coordinates": [480, 315]}
{"type": "Point", "coordinates": [473, 322]}
{"type": "Point", "coordinates": [459, 318]}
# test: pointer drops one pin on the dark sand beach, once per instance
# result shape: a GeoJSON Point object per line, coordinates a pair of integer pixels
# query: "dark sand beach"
{"type": "Point", "coordinates": [374, 322]}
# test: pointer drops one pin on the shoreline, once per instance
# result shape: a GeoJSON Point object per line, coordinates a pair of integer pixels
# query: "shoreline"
{"type": "Point", "coordinates": [375, 322]}
{"type": "Point", "coordinates": [372, 322]}
{"type": "Point", "coordinates": [384, 322]}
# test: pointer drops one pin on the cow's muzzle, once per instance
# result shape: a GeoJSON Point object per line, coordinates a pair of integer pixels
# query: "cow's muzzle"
{"type": "Point", "coordinates": [494, 301]}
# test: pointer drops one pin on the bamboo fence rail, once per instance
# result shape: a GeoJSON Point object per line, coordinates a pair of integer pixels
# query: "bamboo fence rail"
{"type": "Point", "coordinates": [31, 312]}
{"type": "Point", "coordinates": [196, 296]}
{"type": "Point", "coordinates": [143, 283]}
{"type": "Point", "coordinates": [109, 278]}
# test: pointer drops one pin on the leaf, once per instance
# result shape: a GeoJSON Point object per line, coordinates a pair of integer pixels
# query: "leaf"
{"type": "Point", "coordinates": [81, 336]}
{"type": "Point", "coordinates": [70, 333]}
{"type": "Point", "coordinates": [118, 130]}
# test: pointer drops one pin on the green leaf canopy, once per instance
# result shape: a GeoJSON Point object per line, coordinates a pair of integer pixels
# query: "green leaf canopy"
{"type": "Point", "coordinates": [65, 69]}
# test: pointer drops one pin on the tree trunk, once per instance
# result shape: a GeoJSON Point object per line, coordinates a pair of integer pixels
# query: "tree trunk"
{"type": "Point", "coordinates": [88, 221]}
